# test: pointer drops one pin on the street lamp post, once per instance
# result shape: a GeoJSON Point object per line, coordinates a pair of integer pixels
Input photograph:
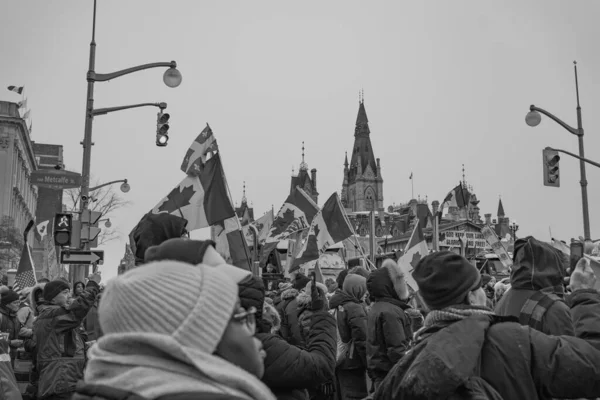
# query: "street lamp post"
{"type": "Point", "coordinates": [534, 118]}
{"type": "Point", "coordinates": [172, 78]}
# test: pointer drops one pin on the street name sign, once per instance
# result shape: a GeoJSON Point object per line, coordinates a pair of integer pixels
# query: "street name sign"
{"type": "Point", "coordinates": [82, 257]}
{"type": "Point", "coordinates": [56, 179]}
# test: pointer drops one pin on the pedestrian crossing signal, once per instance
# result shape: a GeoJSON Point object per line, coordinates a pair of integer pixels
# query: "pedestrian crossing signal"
{"type": "Point", "coordinates": [551, 167]}
{"type": "Point", "coordinates": [162, 129]}
{"type": "Point", "coordinates": [63, 226]}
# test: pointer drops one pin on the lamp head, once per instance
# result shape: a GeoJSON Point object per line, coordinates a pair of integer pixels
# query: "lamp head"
{"type": "Point", "coordinates": [125, 187]}
{"type": "Point", "coordinates": [533, 118]}
{"type": "Point", "coordinates": [172, 77]}
{"type": "Point", "coordinates": [108, 224]}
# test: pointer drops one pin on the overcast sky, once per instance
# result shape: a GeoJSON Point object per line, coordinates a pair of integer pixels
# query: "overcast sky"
{"type": "Point", "coordinates": [445, 83]}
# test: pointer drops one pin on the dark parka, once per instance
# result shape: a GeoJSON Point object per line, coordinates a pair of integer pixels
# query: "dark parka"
{"type": "Point", "coordinates": [517, 361]}
{"type": "Point", "coordinates": [60, 346]}
{"type": "Point", "coordinates": [290, 328]}
{"type": "Point", "coordinates": [388, 326]}
{"type": "Point", "coordinates": [537, 266]}
{"type": "Point", "coordinates": [289, 370]}
{"type": "Point", "coordinates": [352, 326]}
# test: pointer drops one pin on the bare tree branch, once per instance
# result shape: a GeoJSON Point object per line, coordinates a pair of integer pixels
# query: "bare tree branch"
{"type": "Point", "coordinates": [105, 200]}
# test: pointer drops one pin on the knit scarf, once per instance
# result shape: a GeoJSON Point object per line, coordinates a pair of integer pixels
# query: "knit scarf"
{"type": "Point", "coordinates": [446, 316]}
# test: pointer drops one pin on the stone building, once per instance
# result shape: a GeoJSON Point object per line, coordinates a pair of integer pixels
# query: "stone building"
{"type": "Point", "coordinates": [18, 197]}
{"type": "Point", "coordinates": [49, 203]}
{"type": "Point", "coordinates": [306, 182]}
{"type": "Point", "coordinates": [362, 188]}
{"type": "Point", "coordinates": [245, 212]}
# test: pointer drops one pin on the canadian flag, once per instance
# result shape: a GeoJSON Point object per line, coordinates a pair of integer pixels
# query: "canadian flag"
{"type": "Point", "coordinates": [414, 251]}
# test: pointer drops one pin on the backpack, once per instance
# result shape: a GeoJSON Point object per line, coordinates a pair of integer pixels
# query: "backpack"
{"type": "Point", "coordinates": [424, 373]}
{"type": "Point", "coordinates": [535, 307]}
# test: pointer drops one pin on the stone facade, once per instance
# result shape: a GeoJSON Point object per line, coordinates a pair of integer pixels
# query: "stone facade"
{"type": "Point", "coordinates": [362, 187]}
{"type": "Point", "coordinates": [18, 197]}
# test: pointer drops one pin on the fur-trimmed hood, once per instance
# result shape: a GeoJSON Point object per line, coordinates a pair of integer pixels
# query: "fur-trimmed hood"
{"type": "Point", "coordinates": [32, 295]}
{"type": "Point", "coordinates": [387, 281]}
{"type": "Point", "coordinates": [289, 294]}
{"type": "Point", "coordinates": [304, 298]}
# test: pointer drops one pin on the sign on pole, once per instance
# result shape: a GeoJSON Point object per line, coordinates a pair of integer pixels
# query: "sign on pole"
{"type": "Point", "coordinates": [82, 257]}
{"type": "Point", "coordinates": [56, 179]}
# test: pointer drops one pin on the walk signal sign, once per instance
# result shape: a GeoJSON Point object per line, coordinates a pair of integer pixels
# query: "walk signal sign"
{"type": "Point", "coordinates": [551, 167]}
{"type": "Point", "coordinates": [63, 226]}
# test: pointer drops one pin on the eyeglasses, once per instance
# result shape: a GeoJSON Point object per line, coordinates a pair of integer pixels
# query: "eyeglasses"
{"type": "Point", "coordinates": [247, 317]}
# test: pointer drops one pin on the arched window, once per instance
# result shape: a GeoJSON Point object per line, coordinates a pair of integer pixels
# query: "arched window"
{"type": "Point", "coordinates": [369, 199]}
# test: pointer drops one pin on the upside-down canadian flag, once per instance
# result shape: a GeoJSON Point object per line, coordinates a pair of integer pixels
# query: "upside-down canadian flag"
{"type": "Point", "coordinates": [330, 226]}
{"type": "Point", "coordinates": [414, 251]}
{"type": "Point", "coordinates": [201, 199]}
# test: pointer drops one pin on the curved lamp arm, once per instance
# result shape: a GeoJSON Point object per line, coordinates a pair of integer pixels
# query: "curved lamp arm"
{"type": "Point", "coordinates": [94, 77]}
{"type": "Point", "coordinates": [556, 119]}
{"type": "Point", "coordinates": [104, 111]}
{"type": "Point", "coordinates": [106, 184]}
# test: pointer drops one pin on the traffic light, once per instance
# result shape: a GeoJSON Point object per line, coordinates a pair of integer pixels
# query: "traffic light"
{"type": "Point", "coordinates": [63, 226]}
{"type": "Point", "coordinates": [551, 168]}
{"type": "Point", "coordinates": [162, 129]}
{"type": "Point", "coordinates": [89, 228]}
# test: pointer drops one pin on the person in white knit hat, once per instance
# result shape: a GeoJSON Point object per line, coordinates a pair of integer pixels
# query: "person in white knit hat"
{"type": "Point", "coordinates": [174, 330]}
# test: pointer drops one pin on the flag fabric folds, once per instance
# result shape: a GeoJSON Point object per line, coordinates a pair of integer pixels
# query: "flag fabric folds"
{"type": "Point", "coordinates": [25, 276]}
{"type": "Point", "coordinates": [22, 104]}
{"type": "Point", "coordinates": [202, 200]}
{"type": "Point", "coordinates": [295, 215]}
{"type": "Point", "coordinates": [411, 175]}
{"type": "Point", "coordinates": [414, 251]}
{"type": "Point", "coordinates": [329, 226]}
{"type": "Point", "coordinates": [42, 229]}
{"type": "Point", "coordinates": [457, 197]}
{"type": "Point", "coordinates": [230, 241]}
{"type": "Point", "coordinates": [16, 89]}
{"type": "Point", "coordinates": [263, 226]}
{"type": "Point", "coordinates": [197, 154]}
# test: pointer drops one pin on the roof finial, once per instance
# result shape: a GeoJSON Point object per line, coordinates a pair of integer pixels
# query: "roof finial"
{"type": "Point", "coordinates": [244, 200]}
{"type": "Point", "coordinates": [303, 165]}
{"type": "Point", "coordinates": [463, 175]}
{"type": "Point", "coordinates": [363, 95]}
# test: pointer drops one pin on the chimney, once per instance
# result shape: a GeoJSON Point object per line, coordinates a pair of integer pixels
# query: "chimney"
{"type": "Point", "coordinates": [378, 164]}
{"type": "Point", "coordinates": [313, 177]}
{"type": "Point", "coordinates": [435, 206]}
{"type": "Point", "coordinates": [488, 219]}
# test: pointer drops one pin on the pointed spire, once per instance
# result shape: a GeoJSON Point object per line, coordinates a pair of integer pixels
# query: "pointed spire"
{"type": "Point", "coordinates": [303, 164]}
{"type": "Point", "coordinates": [500, 209]}
{"type": "Point", "coordinates": [346, 161]}
{"type": "Point", "coordinates": [244, 200]}
{"type": "Point", "coordinates": [464, 180]}
{"type": "Point", "coordinates": [362, 122]}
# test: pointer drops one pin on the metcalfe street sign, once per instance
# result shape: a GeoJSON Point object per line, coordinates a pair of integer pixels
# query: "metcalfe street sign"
{"type": "Point", "coordinates": [56, 179]}
{"type": "Point", "coordinates": [82, 257]}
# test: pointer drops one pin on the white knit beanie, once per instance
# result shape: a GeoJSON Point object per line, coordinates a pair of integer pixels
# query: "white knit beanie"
{"type": "Point", "coordinates": [192, 304]}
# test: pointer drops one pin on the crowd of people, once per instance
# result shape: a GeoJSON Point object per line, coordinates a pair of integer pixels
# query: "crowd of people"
{"type": "Point", "coordinates": [186, 325]}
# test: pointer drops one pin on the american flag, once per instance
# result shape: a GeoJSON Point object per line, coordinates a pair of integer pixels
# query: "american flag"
{"type": "Point", "coordinates": [25, 275]}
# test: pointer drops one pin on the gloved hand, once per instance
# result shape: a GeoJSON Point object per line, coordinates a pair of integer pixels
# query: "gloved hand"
{"type": "Point", "coordinates": [317, 297]}
{"type": "Point", "coordinates": [583, 276]}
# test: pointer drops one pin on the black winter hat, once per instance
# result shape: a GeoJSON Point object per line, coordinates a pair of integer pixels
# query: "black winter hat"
{"type": "Point", "coordinates": [152, 230]}
{"type": "Point", "coordinates": [8, 297]}
{"type": "Point", "coordinates": [300, 282]}
{"type": "Point", "coordinates": [445, 279]}
{"type": "Point", "coordinates": [179, 249]}
{"type": "Point", "coordinates": [52, 289]}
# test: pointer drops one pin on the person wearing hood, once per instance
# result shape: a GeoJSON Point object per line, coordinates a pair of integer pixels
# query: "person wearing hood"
{"type": "Point", "coordinates": [290, 328]}
{"type": "Point", "coordinates": [202, 347]}
{"type": "Point", "coordinates": [36, 301]}
{"type": "Point", "coordinates": [537, 293]}
{"type": "Point", "coordinates": [9, 389]}
{"type": "Point", "coordinates": [152, 230]}
{"type": "Point", "coordinates": [9, 323]}
{"type": "Point", "coordinates": [60, 346]}
{"type": "Point", "coordinates": [465, 351]}
{"type": "Point", "coordinates": [388, 326]}
{"type": "Point", "coordinates": [351, 316]}
{"type": "Point", "coordinates": [289, 370]}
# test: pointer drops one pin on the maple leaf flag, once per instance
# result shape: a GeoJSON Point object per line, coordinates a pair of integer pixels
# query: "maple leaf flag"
{"type": "Point", "coordinates": [414, 251]}
{"type": "Point", "coordinates": [16, 89]}
{"type": "Point", "coordinates": [262, 225]}
{"type": "Point", "coordinates": [197, 154]}
{"type": "Point", "coordinates": [295, 215]}
{"type": "Point", "coordinates": [330, 226]}
{"type": "Point", "coordinates": [202, 200]}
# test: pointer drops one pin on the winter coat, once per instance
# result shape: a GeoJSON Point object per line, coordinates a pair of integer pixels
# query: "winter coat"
{"type": "Point", "coordinates": [60, 347]}
{"type": "Point", "coordinates": [290, 328]}
{"type": "Point", "coordinates": [388, 326]}
{"type": "Point", "coordinates": [537, 267]}
{"type": "Point", "coordinates": [9, 323]}
{"type": "Point", "coordinates": [289, 370]}
{"type": "Point", "coordinates": [517, 361]}
{"type": "Point", "coordinates": [352, 327]}
{"type": "Point", "coordinates": [91, 323]}
{"type": "Point", "coordinates": [153, 366]}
